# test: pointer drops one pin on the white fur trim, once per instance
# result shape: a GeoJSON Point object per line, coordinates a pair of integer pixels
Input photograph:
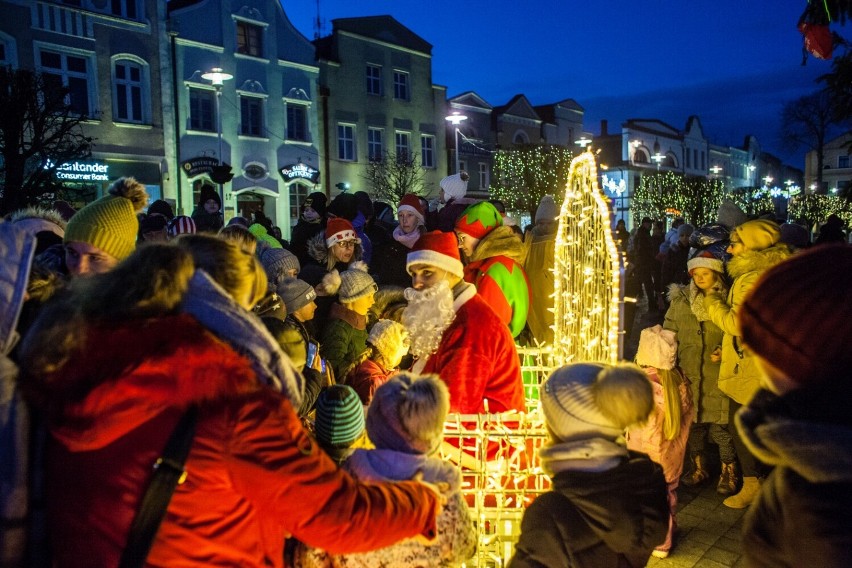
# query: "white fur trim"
{"type": "Point", "coordinates": [434, 258]}
{"type": "Point", "coordinates": [703, 262]}
{"type": "Point", "coordinates": [411, 209]}
{"type": "Point", "coordinates": [331, 283]}
{"type": "Point", "coordinates": [347, 235]}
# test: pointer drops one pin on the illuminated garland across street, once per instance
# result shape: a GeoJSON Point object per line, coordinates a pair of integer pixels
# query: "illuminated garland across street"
{"type": "Point", "coordinates": [586, 272]}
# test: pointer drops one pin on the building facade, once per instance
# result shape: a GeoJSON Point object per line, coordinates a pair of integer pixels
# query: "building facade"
{"type": "Point", "coordinates": [836, 169]}
{"type": "Point", "coordinates": [377, 100]}
{"type": "Point", "coordinates": [269, 131]}
{"type": "Point", "coordinates": [107, 55]}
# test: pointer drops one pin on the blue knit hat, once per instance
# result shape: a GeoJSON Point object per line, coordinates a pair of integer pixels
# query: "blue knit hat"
{"type": "Point", "coordinates": [340, 416]}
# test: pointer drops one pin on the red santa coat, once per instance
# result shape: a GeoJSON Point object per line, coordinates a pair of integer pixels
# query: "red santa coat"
{"type": "Point", "coordinates": [477, 359]}
{"type": "Point", "coordinates": [255, 477]}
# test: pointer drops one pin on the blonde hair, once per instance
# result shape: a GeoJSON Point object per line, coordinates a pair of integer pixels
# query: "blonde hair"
{"type": "Point", "coordinates": [241, 236]}
{"type": "Point", "coordinates": [239, 273]}
{"type": "Point", "coordinates": [424, 408]}
{"type": "Point", "coordinates": [671, 380]}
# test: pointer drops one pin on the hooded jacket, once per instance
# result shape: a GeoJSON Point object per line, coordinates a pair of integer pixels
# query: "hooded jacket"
{"type": "Point", "coordinates": [608, 519]}
{"type": "Point", "coordinates": [496, 269]}
{"type": "Point", "coordinates": [738, 375]}
{"type": "Point", "coordinates": [538, 266]}
{"type": "Point", "coordinates": [696, 341]}
{"type": "Point", "coordinates": [802, 514]}
{"type": "Point", "coordinates": [251, 467]}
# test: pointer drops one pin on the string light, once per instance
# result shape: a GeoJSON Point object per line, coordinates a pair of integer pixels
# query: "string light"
{"type": "Point", "coordinates": [586, 272]}
{"type": "Point", "coordinates": [524, 174]}
{"type": "Point", "coordinates": [668, 193]}
{"type": "Point", "coordinates": [815, 208]}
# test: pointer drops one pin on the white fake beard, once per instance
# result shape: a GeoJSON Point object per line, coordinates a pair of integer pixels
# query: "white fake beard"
{"type": "Point", "coordinates": [428, 314]}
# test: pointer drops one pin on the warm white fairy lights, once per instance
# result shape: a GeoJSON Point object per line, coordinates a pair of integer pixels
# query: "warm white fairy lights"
{"type": "Point", "coordinates": [586, 272]}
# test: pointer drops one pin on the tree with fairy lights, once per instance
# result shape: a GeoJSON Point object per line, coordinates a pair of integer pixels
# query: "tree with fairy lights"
{"type": "Point", "coordinates": [527, 172]}
{"type": "Point", "coordinates": [812, 209]}
{"type": "Point", "coordinates": [753, 200]}
{"type": "Point", "coordinates": [668, 193]}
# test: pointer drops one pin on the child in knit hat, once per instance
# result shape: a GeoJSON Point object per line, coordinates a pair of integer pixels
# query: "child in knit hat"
{"type": "Point", "coordinates": [180, 225]}
{"type": "Point", "coordinates": [104, 232]}
{"type": "Point", "coordinates": [608, 504]}
{"type": "Point", "coordinates": [387, 344]}
{"type": "Point", "coordinates": [344, 336]}
{"type": "Point", "coordinates": [339, 422]}
{"type": "Point", "coordinates": [453, 201]}
{"type": "Point", "coordinates": [495, 256]}
{"type": "Point", "coordinates": [664, 436]}
{"type": "Point", "coordinates": [208, 213]}
{"type": "Point", "coordinates": [405, 423]}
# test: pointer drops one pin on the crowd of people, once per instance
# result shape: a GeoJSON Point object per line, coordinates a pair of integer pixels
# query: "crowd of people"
{"type": "Point", "coordinates": [178, 390]}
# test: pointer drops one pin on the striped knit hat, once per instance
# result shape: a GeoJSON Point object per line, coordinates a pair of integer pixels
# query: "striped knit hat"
{"type": "Point", "coordinates": [110, 222]}
{"type": "Point", "coordinates": [181, 225]}
{"type": "Point", "coordinates": [479, 219]}
{"type": "Point", "coordinates": [340, 416]}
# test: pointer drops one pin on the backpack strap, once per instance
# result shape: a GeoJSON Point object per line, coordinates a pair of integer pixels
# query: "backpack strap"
{"type": "Point", "coordinates": [169, 472]}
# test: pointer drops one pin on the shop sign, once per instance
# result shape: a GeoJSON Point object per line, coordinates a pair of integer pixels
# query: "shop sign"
{"type": "Point", "coordinates": [300, 171]}
{"type": "Point", "coordinates": [82, 171]}
{"type": "Point", "coordinates": [197, 166]}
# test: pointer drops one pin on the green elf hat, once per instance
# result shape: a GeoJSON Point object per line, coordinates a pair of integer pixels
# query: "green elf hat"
{"type": "Point", "coordinates": [479, 219]}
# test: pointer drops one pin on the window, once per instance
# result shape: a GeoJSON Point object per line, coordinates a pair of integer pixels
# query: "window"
{"type": "Point", "coordinates": [688, 164]}
{"type": "Point", "coordinates": [375, 146]}
{"type": "Point", "coordinates": [695, 157]}
{"type": "Point", "coordinates": [128, 91]}
{"type": "Point", "coordinates": [483, 175]}
{"type": "Point", "coordinates": [843, 161]}
{"type": "Point", "coordinates": [298, 194]}
{"type": "Point", "coordinates": [400, 85]}
{"type": "Point", "coordinates": [251, 116]}
{"type": "Point", "coordinates": [71, 71]}
{"type": "Point", "coordinates": [201, 109]}
{"type": "Point", "coordinates": [249, 39]}
{"type": "Point", "coordinates": [124, 8]}
{"type": "Point", "coordinates": [346, 142]}
{"type": "Point", "coordinates": [403, 146]}
{"type": "Point", "coordinates": [427, 151]}
{"type": "Point", "coordinates": [374, 80]}
{"type": "Point", "coordinates": [297, 122]}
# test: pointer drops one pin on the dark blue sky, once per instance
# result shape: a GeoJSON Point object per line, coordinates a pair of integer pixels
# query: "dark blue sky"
{"type": "Point", "coordinates": [734, 63]}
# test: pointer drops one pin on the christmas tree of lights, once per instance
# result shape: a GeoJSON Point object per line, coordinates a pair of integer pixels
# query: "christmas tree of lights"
{"type": "Point", "coordinates": [586, 272]}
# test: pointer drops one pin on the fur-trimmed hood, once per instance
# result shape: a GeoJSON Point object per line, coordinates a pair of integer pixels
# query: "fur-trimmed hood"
{"type": "Point", "coordinates": [38, 219]}
{"type": "Point", "coordinates": [501, 241]}
{"type": "Point", "coordinates": [757, 260]}
{"type": "Point", "coordinates": [124, 375]}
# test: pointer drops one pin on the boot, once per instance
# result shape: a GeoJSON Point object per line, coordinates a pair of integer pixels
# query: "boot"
{"type": "Point", "coordinates": [751, 485]}
{"type": "Point", "coordinates": [699, 473]}
{"type": "Point", "coordinates": [728, 480]}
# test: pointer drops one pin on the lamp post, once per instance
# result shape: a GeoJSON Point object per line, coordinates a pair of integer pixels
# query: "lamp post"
{"type": "Point", "coordinates": [659, 159]}
{"type": "Point", "coordinates": [455, 119]}
{"type": "Point", "coordinates": [583, 142]}
{"type": "Point", "coordinates": [218, 77]}
{"type": "Point", "coordinates": [751, 168]}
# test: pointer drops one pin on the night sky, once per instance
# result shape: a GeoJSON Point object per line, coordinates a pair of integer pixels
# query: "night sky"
{"type": "Point", "coordinates": [734, 63]}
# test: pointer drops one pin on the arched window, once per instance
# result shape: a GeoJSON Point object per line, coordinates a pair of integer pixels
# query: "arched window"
{"type": "Point", "coordinates": [520, 138]}
{"type": "Point", "coordinates": [130, 90]}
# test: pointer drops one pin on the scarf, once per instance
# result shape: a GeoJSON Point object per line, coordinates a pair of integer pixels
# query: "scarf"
{"type": "Point", "coordinates": [696, 299]}
{"type": "Point", "coordinates": [407, 240]}
{"type": "Point", "coordinates": [594, 454]}
{"type": "Point", "coordinates": [208, 303]}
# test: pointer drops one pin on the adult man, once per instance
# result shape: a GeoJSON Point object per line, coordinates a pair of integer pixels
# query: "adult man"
{"type": "Point", "coordinates": [103, 233]}
{"type": "Point", "coordinates": [455, 334]}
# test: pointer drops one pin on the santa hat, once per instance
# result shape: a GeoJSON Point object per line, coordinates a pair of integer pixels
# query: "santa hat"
{"type": "Point", "coordinates": [705, 259]}
{"type": "Point", "coordinates": [657, 348]}
{"type": "Point", "coordinates": [455, 186]}
{"type": "Point", "coordinates": [412, 204]}
{"type": "Point", "coordinates": [339, 229]}
{"type": "Point", "coordinates": [438, 249]}
{"type": "Point", "coordinates": [479, 219]}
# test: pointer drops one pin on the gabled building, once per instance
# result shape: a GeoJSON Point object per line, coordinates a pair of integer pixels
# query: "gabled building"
{"type": "Point", "coordinates": [377, 99]}
{"type": "Point", "coordinates": [477, 141]}
{"type": "Point", "coordinates": [269, 130]}
{"type": "Point", "coordinates": [108, 55]}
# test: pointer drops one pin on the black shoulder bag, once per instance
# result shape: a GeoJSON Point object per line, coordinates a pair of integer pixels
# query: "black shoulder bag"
{"type": "Point", "coordinates": [169, 472]}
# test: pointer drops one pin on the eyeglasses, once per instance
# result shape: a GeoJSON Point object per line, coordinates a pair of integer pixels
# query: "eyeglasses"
{"type": "Point", "coordinates": [346, 244]}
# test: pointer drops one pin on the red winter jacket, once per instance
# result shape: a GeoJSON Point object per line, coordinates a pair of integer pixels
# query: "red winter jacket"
{"type": "Point", "coordinates": [366, 378]}
{"type": "Point", "coordinates": [254, 476]}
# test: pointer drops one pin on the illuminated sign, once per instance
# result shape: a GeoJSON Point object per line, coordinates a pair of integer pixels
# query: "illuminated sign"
{"type": "Point", "coordinates": [197, 166]}
{"type": "Point", "coordinates": [300, 171]}
{"type": "Point", "coordinates": [82, 171]}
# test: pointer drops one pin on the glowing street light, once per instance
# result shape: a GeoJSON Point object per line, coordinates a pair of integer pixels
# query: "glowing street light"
{"type": "Point", "coordinates": [767, 180]}
{"type": "Point", "coordinates": [751, 168]}
{"type": "Point", "coordinates": [659, 159]}
{"type": "Point", "coordinates": [456, 118]}
{"type": "Point", "coordinates": [218, 77]}
{"type": "Point", "coordinates": [716, 169]}
{"type": "Point", "coordinates": [583, 142]}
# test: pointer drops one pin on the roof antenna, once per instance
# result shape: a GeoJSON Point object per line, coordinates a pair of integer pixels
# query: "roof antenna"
{"type": "Point", "coordinates": [319, 23]}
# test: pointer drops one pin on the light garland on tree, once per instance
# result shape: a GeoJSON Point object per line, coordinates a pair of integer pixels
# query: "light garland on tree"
{"type": "Point", "coordinates": [523, 174]}
{"type": "Point", "coordinates": [586, 272]}
{"type": "Point", "coordinates": [674, 195]}
{"type": "Point", "coordinates": [814, 208]}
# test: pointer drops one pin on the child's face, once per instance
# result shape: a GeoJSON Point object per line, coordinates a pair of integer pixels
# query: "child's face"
{"type": "Point", "coordinates": [210, 206]}
{"type": "Point", "coordinates": [306, 312]}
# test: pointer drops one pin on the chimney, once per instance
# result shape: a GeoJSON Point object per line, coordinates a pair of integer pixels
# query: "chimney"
{"type": "Point", "coordinates": [603, 127]}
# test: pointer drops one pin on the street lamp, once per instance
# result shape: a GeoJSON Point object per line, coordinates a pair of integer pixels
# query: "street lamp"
{"type": "Point", "coordinates": [767, 180]}
{"type": "Point", "coordinates": [456, 118]}
{"type": "Point", "coordinates": [716, 169]}
{"type": "Point", "coordinates": [658, 158]}
{"type": "Point", "coordinates": [218, 78]}
{"type": "Point", "coordinates": [751, 168]}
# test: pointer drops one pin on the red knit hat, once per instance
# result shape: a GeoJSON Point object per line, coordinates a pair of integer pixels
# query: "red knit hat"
{"type": "Point", "coordinates": [479, 219]}
{"type": "Point", "coordinates": [412, 204]}
{"type": "Point", "coordinates": [705, 259]}
{"type": "Point", "coordinates": [339, 229]}
{"type": "Point", "coordinates": [438, 249]}
{"type": "Point", "coordinates": [798, 316]}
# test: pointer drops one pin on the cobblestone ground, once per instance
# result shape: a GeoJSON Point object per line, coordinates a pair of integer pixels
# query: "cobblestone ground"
{"type": "Point", "coordinates": [708, 532]}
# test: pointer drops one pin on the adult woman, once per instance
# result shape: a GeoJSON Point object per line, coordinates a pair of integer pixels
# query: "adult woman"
{"type": "Point", "coordinates": [412, 224]}
{"type": "Point", "coordinates": [115, 365]}
{"type": "Point", "coordinates": [699, 353]}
